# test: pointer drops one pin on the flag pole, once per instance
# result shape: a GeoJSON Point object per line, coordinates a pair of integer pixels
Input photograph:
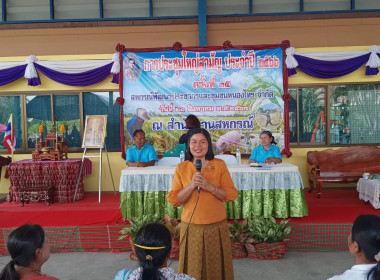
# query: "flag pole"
{"type": "Point", "coordinates": [12, 136]}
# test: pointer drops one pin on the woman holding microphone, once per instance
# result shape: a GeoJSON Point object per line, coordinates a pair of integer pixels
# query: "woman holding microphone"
{"type": "Point", "coordinates": [202, 184]}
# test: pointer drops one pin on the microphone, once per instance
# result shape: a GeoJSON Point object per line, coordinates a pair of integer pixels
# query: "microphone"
{"type": "Point", "coordinates": [198, 166]}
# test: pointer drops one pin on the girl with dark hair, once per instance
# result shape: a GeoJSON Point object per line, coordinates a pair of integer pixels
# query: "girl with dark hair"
{"type": "Point", "coordinates": [267, 152]}
{"type": "Point", "coordinates": [29, 249]}
{"type": "Point", "coordinates": [191, 122]}
{"type": "Point", "coordinates": [202, 190]}
{"type": "Point", "coordinates": [153, 245]}
{"type": "Point", "coordinates": [364, 245]}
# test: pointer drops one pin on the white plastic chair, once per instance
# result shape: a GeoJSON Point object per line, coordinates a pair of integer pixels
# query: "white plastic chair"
{"type": "Point", "coordinates": [228, 159]}
{"type": "Point", "coordinates": [169, 161]}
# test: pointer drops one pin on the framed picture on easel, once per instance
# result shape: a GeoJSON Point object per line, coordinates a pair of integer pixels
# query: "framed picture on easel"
{"type": "Point", "coordinates": [94, 131]}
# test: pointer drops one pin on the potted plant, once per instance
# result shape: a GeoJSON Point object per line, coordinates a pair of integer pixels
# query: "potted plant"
{"type": "Point", "coordinates": [238, 235]}
{"type": "Point", "coordinates": [267, 238]}
{"type": "Point", "coordinates": [174, 226]}
{"type": "Point", "coordinates": [135, 225]}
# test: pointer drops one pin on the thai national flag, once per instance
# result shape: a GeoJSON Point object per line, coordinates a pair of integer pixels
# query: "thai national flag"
{"type": "Point", "coordinates": [9, 140]}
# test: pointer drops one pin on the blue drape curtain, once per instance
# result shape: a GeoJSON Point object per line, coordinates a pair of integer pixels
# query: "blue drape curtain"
{"type": "Point", "coordinates": [325, 69]}
{"type": "Point", "coordinates": [81, 79]}
{"type": "Point", "coordinates": [12, 74]}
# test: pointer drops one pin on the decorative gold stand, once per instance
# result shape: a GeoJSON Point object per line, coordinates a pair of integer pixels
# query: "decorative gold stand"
{"type": "Point", "coordinates": [46, 151]}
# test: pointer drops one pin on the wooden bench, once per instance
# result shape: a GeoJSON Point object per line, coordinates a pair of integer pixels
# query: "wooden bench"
{"type": "Point", "coordinates": [344, 165]}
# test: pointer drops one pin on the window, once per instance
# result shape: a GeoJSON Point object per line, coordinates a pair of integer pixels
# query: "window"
{"type": "Point", "coordinates": [18, 10]}
{"type": "Point", "coordinates": [74, 9]}
{"type": "Point", "coordinates": [59, 109]}
{"type": "Point", "coordinates": [351, 115]}
{"type": "Point", "coordinates": [275, 6]}
{"type": "Point", "coordinates": [225, 7]}
{"type": "Point", "coordinates": [366, 4]}
{"type": "Point", "coordinates": [125, 8]}
{"type": "Point", "coordinates": [326, 5]}
{"type": "Point", "coordinates": [10, 105]}
{"type": "Point", "coordinates": [38, 111]}
{"type": "Point", "coordinates": [307, 115]}
{"type": "Point", "coordinates": [175, 8]}
{"type": "Point", "coordinates": [66, 112]}
{"type": "Point", "coordinates": [104, 103]}
{"type": "Point", "coordinates": [355, 114]}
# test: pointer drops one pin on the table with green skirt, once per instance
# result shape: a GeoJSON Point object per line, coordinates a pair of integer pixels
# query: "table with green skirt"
{"type": "Point", "coordinates": [274, 191]}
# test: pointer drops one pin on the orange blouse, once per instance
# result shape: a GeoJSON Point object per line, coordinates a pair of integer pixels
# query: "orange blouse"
{"type": "Point", "coordinates": [209, 209]}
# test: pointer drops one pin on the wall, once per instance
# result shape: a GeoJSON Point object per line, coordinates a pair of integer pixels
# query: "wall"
{"type": "Point", "coordinates": [99, 43]}
{"type": "Point", "coordinates": [92, 40]}
{"type": "Point", "coordinates": [46, 39]}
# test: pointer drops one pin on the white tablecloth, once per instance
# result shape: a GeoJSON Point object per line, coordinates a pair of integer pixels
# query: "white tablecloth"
{"type": "Point", "coordinates": [369, 190]}
{"type": "Point", "coordinates": [159, 178]}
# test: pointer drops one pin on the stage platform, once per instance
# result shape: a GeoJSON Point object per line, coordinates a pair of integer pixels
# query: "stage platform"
{"type": "Point", "coordinates": [86, 225]}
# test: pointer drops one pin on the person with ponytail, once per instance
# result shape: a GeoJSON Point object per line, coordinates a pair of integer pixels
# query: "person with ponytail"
{"type": "Point", "coordinates": [29, 249]}
{"type": "Point", "coordinates": [153, 245]}
{"type": "Point", "coordinates": [364, 245]}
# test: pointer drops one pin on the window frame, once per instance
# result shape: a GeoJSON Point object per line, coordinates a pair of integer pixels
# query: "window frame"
{"type": "Point", "coordinates": [299, 144]}
{"type": "Point", "coordinates": [353, 10]}
{"type": "Point", "coordinates": [24, 125]}
{"type": "Point", "coordinates": [329, 93]}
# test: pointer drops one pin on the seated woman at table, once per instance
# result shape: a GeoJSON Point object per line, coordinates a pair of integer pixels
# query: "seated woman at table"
{"type": "Point", "coordinates": [153, 244]}
{"type": "Point", "coordinates": [206, 249]}
{"type": "Point", "coordinates": [364, 245]}
{"type": "Point", "coordinates": [267, 152]}
{"type": "Point", "coordinates": [29, 249]}
{"type": "Point", "coordinates": [191, 122]}
{"type": "Point", "coordinates": [141, 154]}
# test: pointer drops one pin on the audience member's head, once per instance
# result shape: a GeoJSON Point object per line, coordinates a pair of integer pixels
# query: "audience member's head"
{"type": "Point", "coordinates": [153, 245]}
{"type": "Point", "coordinates": [192, 122]}
{"type": "Point", "coordinates": [29, 249]}
{"type": "Point", "coordinates": [364, 242]}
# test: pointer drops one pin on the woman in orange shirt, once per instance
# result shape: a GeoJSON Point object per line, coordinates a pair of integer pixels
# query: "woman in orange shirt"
{"type": "Point", "coordinates": [29, 249]}
{"type": "Point", "coordinates": [206, 249]}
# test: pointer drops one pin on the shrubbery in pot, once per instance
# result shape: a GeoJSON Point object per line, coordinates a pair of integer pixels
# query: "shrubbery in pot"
{"type": "Point", "coordinates": [238, 235]}
{"type": "Point", "coordinates": [266, 238]}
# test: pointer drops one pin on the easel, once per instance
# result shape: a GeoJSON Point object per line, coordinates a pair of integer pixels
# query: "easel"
{"type": "Point", "coordinates": [94, 134]}
{"type": "Point", "coordinates": [100, 169]}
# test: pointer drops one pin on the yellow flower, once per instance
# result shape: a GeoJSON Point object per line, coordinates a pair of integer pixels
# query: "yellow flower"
{"type": "Point", "coordinates": [62, 128]}
{"type": "Point", "coordinates": [41, 128]}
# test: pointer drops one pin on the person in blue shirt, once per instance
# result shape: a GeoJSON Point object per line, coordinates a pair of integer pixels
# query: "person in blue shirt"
{"type": "Point", "coordinates": [137, 121]}
{"type": "Point", "coordinates": [141, 154]}
{"type": "Point", "coordinates": [267, 152]}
